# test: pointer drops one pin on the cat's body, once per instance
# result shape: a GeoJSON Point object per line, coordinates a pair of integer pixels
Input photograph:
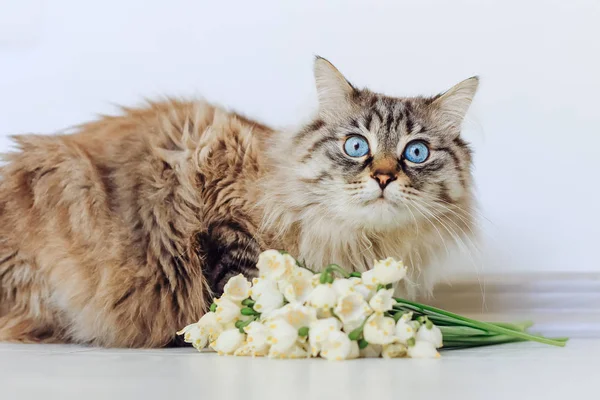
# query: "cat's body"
{"type": "Point", "coordinates": [117, 234]}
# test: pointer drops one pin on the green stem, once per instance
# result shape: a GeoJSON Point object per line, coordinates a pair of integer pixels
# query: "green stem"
{"type": "Point", "coordinates": [483, 325]}
{"type": "Point", "coordinates": [457, 345]}
{"type": "Point", "coordinates": [357, 333]}
{"type": "Point", "coordinates": [338, 269]}
{"type": "Point", "coordinates": [462, 331]}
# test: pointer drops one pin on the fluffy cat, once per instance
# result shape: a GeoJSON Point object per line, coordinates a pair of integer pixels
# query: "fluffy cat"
{"type": "Point", "coordinates": [118, 234]}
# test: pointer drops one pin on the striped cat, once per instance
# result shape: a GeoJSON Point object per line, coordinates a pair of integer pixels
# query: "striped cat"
{"type": "Point", "coordinates": [119, 234]}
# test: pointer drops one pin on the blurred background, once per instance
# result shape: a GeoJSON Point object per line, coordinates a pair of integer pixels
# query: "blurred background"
{"type": "Point", "coordinates": [535, 124]}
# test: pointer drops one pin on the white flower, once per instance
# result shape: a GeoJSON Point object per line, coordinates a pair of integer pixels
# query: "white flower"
{"type": "Point", "coordinates": [296, 315]}
{"type": "Point", "coordinates": [366, 291]}
{"type": "Point", "coordinates": [228, 341]}
{"type": "Point", "coordinates": [352, 308]}
{"type": "Point", "coordinates": [415, 324]}
{"type": "Point", "coordinates": [256, 339]}
{"type": "Point", "coordinates": [296, 351]}
{"type": "Point", "coordinates": [393, 350]}
{"type": "Point", "coordinates": [237, 288]}
{"type": "Point", "coordinates": [194, 335]}
{"type": "Point", "coordinates": [337, 346]}
{"type": "Point", "coordinates": [423, 349]}
{"type": "Point", "coordinates": [369, 278]}
{"type": "Point", "coordinates": [371, 351]}
{"type": "Point", "coordinates": [383, 300]}
{"type": "Point", "coordinates": [316, 280]}
{"type": "Point", "coordinates": [298, 286]}
{"type": "Point", "coordinates": [209, 324]}
{"type": "Point", "coordinates": [269, 303]}
{"type": "Point", "coordinates": [273, 265]}
{"type": "Point", "coordinates": [245, 351]}
{"type": "Point", "coordinates": [345, 286]}
{"type": "Point", "coordinates": [261, 286]}
{"type": "Point", "coordinates": [404, 329]}
{"type": "Point", "coordinates": [282, 336]}
{"type": "Point", "coordinates": [354, 350]}
{"type": "Point", "coordinates": [266, 295]}
{"type": "Point", "coordinates": [385, 272]}
{"type": "Point", "coordinates": [379, 329]}
{"type": "Point", "coordinates": [432, 335]}
{"type": "Point", "coordinates": [323, 297]}
{"type": "Point", "coordinates": [349, 326]}
{"type": "Point", "coordinates": [227, 310]}
{"type": "Point", "coordinates": [319, 331]}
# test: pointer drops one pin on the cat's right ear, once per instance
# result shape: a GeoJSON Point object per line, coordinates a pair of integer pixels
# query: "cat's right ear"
{"type": "Point", "coordinates": [333, 89]}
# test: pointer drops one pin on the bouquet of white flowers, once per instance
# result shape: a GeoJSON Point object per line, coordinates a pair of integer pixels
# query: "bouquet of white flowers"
{"type": "Point", "coordinates": [292, 312]}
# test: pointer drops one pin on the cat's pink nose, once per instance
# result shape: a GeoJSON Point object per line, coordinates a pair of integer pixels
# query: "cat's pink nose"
{"type": "Point", "coordinates": [384, 178]}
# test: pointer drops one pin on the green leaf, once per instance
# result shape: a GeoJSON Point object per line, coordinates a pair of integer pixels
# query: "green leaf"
{"type": "Point", "coordinates": [362, 343]}
{"type": "Point", "coordinates": [213, 307]}
{"type": "Point", "coordinates": [462, 331]}
{"type": "Point", "coordinates": [425, 309]}
{"type": "Point", "coordinates": [355, 275]}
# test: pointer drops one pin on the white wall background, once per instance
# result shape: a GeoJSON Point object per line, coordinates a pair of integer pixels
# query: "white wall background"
{"type": "Point", "coordinates": [535, 123]}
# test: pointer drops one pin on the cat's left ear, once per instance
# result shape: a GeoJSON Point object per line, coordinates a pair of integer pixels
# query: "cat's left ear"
{"type": "Point", "coordinates": [333, 89]}
{"type": "Point", "coordinates": [453, 104]}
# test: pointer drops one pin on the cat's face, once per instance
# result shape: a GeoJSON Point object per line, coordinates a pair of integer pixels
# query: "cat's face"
{"type": "Point", "coordinates": [379, 162]}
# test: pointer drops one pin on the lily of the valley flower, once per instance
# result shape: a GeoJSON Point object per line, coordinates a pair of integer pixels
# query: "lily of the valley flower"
{"type": "Point", "coordinates": [393, 350]}
{"type": "Point", "coordinates": [337, 347]}
{"type": "Point", "coordinates": [298, 286]}
{"type": "Point", "coordinates": [205, 330]}
{"type": "Point", "coordinates": [266, 295]}
{"type": "Point", "coordinates": [385, 272]}
{"type": "Point", "coordinates": [295, 351]}
{"type": "Point", "coordinates": [237, 288]}
{"type": "Point", "coordinates": [228, 341]}
{"type": "Point", "coordinates": [354, 350]}
{"type": "Point", "coordinates": [296, 315]}
{"type": "Point", "coordinates": [382, 301]}
{"type": "Point", "coordinates": [194, 335]}
{"type": "Point", "coordinates": [282, 336]}
{"type": "Point", "coordinates": [379, 329]}
{"type": "Point", "coordinates": [256, 339]}
{"type": "Point", "coordinates": [371, 351]}
{"type": "Point", "coordinates": [323, 297]}
{"type": "Point", "coordinates": [319, 331]}
{"type": "Point", "coordinates": [423, 349]}
{"type": "Point", "coordinates": [273, 265]}
{"type": "Point", "coordinates": [404, 329]}
{"type": "Point", "coordinates": [352, 308]}
{"type": "Point", "coordinates": [433, 335]}
{"type": "Point", "coordinates": [227, 310]}
{"type": "Point", "coordinates": [366, 291]}
{"type": "Point", "coordinates": [345, 286]}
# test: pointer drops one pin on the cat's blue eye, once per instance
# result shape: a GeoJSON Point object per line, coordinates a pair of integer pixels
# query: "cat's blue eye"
{"type": "Point", "coordinates": [356, 146]}
{"type": "Point", "coordinates": [416, 152]}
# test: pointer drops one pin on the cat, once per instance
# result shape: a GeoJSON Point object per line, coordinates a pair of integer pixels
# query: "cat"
{"type": "Point", "coordinates": [120, 233]}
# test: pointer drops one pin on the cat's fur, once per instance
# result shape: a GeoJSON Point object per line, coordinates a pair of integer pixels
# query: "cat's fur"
{"type": "Point", "coordinates": [116, 235]}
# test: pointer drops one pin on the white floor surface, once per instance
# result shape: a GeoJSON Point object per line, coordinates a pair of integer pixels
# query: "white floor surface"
{"type": "Point", "coordinates": [514, 371]}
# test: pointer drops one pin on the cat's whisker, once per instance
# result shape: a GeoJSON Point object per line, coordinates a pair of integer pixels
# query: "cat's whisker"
{"type": "Point", "coordinates": [465, 248]}
{"type": "Point", "coordinates": [443, 215]}
{"type": "Point", "coordinates": [455, 236]}
{"type": "Point", "coordinates": [434, 226]}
